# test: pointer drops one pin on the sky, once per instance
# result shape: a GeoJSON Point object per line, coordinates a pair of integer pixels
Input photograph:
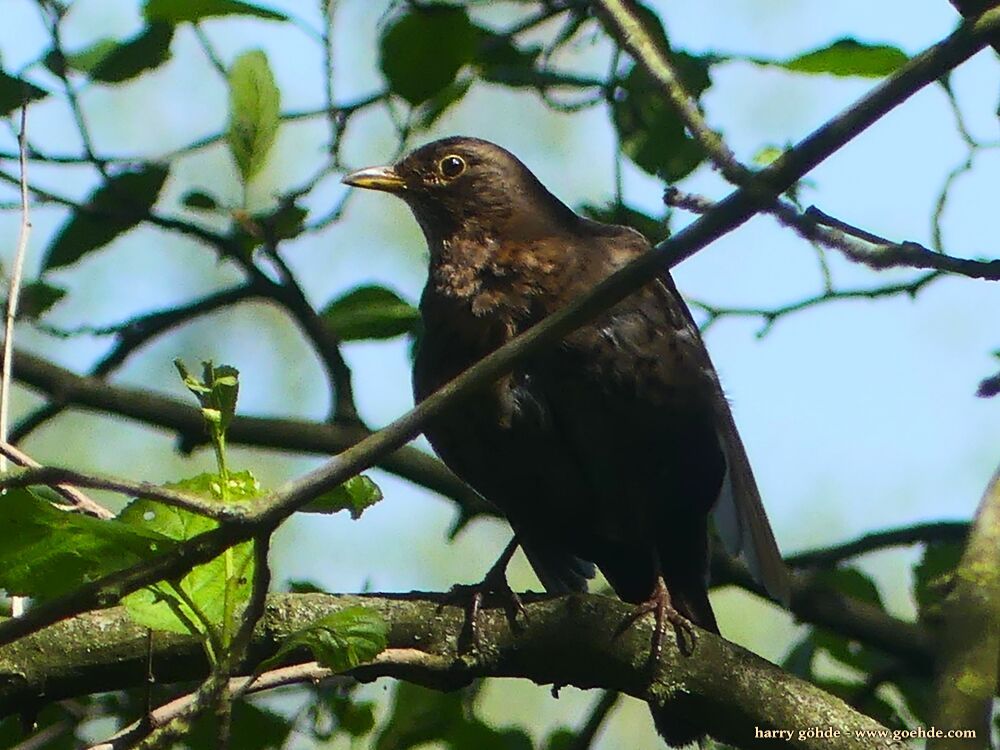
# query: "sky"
{"type": "Point", "coordinates": [857, 415]}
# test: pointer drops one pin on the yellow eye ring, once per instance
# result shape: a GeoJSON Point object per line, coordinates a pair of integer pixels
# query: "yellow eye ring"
{"type": "Point", "coordinates": [451, 166]}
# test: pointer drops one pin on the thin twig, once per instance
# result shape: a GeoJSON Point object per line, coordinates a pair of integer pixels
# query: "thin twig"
{"type": "Point", "coordinates": [13, 295]}
{"type": "Point", "coordinates": [310, 672]}
{"type": "Point", "coordinates": [14, 292]}
{"type": "Point", "coordinates": [76, 498]}
{"type": "Point", "coordinates": [132, 335]}
{"type": "Point", "coordinates": [53, 476]}
{"type": "Point", "coordinates": [584, 739]}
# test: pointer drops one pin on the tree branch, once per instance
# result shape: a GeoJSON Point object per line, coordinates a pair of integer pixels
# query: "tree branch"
{"type": "Point", "coordinates": [563, 641]}
{"type": "Point", "coordinates": [969, 652]}
{"type": "Point", "coordinates": [89, 393]}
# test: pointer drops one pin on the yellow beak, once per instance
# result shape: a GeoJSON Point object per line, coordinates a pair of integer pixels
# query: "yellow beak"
{"type": "Point", "coordinates": [376, 178]}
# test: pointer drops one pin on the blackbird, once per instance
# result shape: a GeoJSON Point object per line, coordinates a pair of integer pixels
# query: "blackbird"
{"type": "Point", "coordinates": [610, 447]}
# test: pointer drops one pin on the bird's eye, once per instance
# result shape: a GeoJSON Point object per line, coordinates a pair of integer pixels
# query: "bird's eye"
{"type": "Point", "coordinates": [452, 166]}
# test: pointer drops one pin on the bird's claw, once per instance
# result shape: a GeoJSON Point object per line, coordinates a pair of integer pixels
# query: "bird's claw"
{"type": "Point", "coordinates": [471, 597]}
{"type": "Point", "coordinates": [663, 612]}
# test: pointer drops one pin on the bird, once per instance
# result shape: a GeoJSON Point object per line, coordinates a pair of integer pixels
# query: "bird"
{"type": "Point", "coordinates": [610, 448]}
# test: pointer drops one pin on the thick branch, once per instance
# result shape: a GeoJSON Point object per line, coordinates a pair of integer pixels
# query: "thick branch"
{"type": "Point", "coordinates": [969, 652]}
{"type": "Point", "coordinates": [564, 641]}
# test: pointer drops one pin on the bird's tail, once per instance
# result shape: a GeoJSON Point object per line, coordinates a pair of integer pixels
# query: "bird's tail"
{"type": "Point", "coordinates": [558, 570]}
{"type": "Point", "coordinates": [689, 595]}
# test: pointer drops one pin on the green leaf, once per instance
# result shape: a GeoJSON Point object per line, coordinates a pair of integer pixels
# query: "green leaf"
{"type": "Point", "coordinates": [16, 91]}
{"type": "Point", "coordinates": [111, 61]}
{"type": "Point", "coordinates": [767, 155]}
{"type": "Point", "coordinates": [800, 659]}
{"type": "Point", "coordinates": [432, 109]}
{"type": "Point", "coordinates": [648, 226]}
{"type": "Point", "coordinates": [114, 208]}
{"type": "Point", "coordinates": [254, 112]}
{"type": "Point", "coordinates": [561, 739]}
{"type": "Point", "coordinates": [356, 495]}
{"type": "Point", "coordinates": [850, 652]}
{"type": "Point", "coordinates": [178, 11]}
{"type": "Point", "coordinates": [370, 312]}
{"type": "Point", "coordinates": [82, 61]}
{"type": "Point", "coordinates": [849, 57]}
{"type": "Point", "coordinates": [419, 715]}
{"type": "Point", "coordinates": [340, 641]}
{"type": "Point", "coordinates": [197, 600]}
{"type": "Point", "coordinates": [356, 718]}
{"type": "Point", "coordinates": [286, 222]}
{"type": "Point", "coordinates": [932, 577]}
{"type": "Point", "coordinates": [47, 552]}
{"type": "Point", "coordinates": [652, 134]}
{"type": "Point", "coordinates": [200, 200]}
{"type": "Point", "coordinates": [252, 728]}
{"type": "Point", "coordinates": [851, 582]}
{"type": "Point", "coordinates": [501, 61]}
{"type": "Point", "coordinates": [36, 299]}
{"type": "Point", "coordinates": [217, 391]}
{"type": "Point", "coordinates": [422, 50]}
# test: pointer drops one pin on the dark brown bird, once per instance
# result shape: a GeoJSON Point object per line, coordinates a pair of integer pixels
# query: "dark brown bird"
{"type": "Point", "coordinates": [609, 448]}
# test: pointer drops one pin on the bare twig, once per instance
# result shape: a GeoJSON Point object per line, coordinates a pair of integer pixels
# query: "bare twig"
{"type": "Point", "coordinates": [14, 292]}
{"type": "Point", "coordinates": [54, 476]}
{"type": "Point", "coordinates": [310, 672]}
{"type": "Point", "coordinates": [76, 498]}
{"type": "Point", "coordinates": [854, 242]}
{"type": "Point", "coordinates": [622, 20]}
{"type": "Point", "coordinates": [13, 295]}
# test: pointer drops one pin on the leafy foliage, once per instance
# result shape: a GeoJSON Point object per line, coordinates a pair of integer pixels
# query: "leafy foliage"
{"type": "Point", "coordinates": [110, 61]}
{"type": "Point", "coordinates": [48, 552]}
{"type": "Point", "coordinates": [254, 109]}
{"type": "Point", "coordinates": [849, 57]}
{"type": "Point", "coordinates": [178, 11]}
{"type": "Point", "coordinates": [420, 715]}
{"type": "Point", "coordinates": [16, 91]}
{"type": "Point", "coordinates": [370, 312]}
{"type": "Point", "coordinates": [355, 495]}
{"type": "Point", "coordinates": [340, 641]}
{"type": "Point", "coordinates": [652, 134]}
{"type": "Point", "coordinates": [422, 50]}
{"type": "Point", "coordinates": [431, 56]}
{"type": "Point", "coordinates": [117, 206]}
{"type": "Point", "coordinates": [196, 604]}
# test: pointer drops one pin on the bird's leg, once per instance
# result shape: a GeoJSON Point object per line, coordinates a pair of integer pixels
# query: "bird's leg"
{"type": "Point", "coordinates": [494, 583]}
{"type": "Point", "coordinates": [663, 611]}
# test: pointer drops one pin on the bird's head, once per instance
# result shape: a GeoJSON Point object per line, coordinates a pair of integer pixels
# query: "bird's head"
{"type": "Point", "coordinates": [470, 186]}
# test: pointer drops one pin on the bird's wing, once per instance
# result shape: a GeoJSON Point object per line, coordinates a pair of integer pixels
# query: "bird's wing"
{"type": "Point", "coordinates": [739, 513]}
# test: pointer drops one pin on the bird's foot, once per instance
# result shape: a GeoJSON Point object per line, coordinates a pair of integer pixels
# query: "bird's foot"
{"type": "Point", "coordinates": [471, 597]}
{"type": "Point", "coordinates": [663, 612]}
